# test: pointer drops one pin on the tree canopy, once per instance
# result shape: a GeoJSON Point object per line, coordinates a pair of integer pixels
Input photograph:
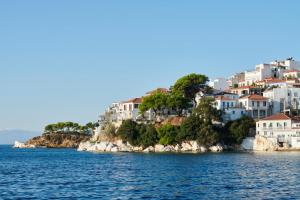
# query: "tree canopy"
{"type": "Point", "coordinates": [189, 85]}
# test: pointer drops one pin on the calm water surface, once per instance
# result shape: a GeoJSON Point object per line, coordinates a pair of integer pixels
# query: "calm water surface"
{"type": "Point", "coordinates": [67, 174]}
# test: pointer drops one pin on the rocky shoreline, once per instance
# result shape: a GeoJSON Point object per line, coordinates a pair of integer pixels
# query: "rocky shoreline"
{"type": "Point", "coordinates": [120, 146]}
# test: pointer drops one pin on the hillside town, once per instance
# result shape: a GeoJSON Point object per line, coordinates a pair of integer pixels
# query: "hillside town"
{"type": "Point", "coordinates": [269, 94]}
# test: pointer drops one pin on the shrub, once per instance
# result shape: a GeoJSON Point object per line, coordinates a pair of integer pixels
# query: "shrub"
{"type": "Point", "coordinates": [148, 136]}
{"type": "Point", "coordinates": [128, 131]}
{"type": "Point", "coordinates": [189, 128]}
{"type": "Point", "coordinates": [167, 134]}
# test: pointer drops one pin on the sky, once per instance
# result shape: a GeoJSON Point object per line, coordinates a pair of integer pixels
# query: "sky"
{"type": "Point", "coordinates": [66, 60]}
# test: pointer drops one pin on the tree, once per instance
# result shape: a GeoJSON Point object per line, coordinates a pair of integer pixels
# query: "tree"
{"type": "Point", "coordinates": [177, 103]}
{"type": "Point", "coordinates": [167, 134]}
{"type": "Point", "coordinates": [189, 85]}
{"type": "Point", "coordinates": [207, 111]}
{"type": "Point", "coordinates": [189, 128]}
{"type": "Point", "coordinates": [157, 102]}
{"type": "Point", "coordinates": [239, 129]}
{"type": "Point", "coordinates": [110, 130]}
{"type": "Point", "coordinates": [148, 135]}
{"type": "Point", "coordinates": [128, 132]}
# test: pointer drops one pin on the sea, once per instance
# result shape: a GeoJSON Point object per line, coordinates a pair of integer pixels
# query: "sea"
{"type": "Point", "coordinates": [68, 174]}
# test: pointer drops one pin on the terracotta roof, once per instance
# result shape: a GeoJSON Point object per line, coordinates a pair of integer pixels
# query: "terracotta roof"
{"type": "Point", "coordinates": [162, 90]}
{"type": "Point", "coordinates": [279, 116]}
{"type": "Point", "coordinates": [255, 97]}
{"type": "Point", "coordinates": [244, 87]}
{"type": "Point", "coordinates": [275, 81]}
{"type": "Point", "coordinates": [223, 98]}
{"type": "Point", "coordinates": [134, 100]}
{"type": "Point", "coordinates": [291, 71]}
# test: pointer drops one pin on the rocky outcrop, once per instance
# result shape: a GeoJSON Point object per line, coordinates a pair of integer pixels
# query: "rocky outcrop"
{"type": "Point", "coordinates": [22, 145]}
{"type": "Point", "coordinates": [58, 140]}
{"type": "Point", "coordinates": [120, 146]}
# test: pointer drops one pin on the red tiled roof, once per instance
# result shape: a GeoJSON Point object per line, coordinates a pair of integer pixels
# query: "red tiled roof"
{"type": "Point", "coordinates": [244, 87]}
{"type": "Point", "coordinates": [279, 116]}
{"type": "Point", "coordinates": [134, 100]}
{"type": "Point", "coordinates": [255, 97]}
{"type": "Point", "coordinates": [291, 71]}
{"type": "Point", "coordinates": [223, 98]}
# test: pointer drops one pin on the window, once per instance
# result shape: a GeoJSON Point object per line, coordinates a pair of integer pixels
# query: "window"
{"type": "Point", "coordinates": [125, 107]}
{"type": "Point", "coordinates": [284, 124]}
{"type": "Point", "coordinates": [233, 112]}
{"type": "Point", "coordinates": [136, 106]}
{"type": "Point", "coordinates": [271, 125]}
{"type": "Point", "coordinates": [231, 104]}
{"type": "Point", "coordinates": [258, 104]}
{"type": "Point", "coordinates": [278, 124]}
{"type": "Point", "coordinates": [223, 104]}
{"type": "Point", "coordinates": [265, 103]}
{"type": "Point", "coordinates": [242, 112]}
{"type": "Point", "coordinates": [264, 125]}
{"type": "Point", "coordinates": [253, 103]}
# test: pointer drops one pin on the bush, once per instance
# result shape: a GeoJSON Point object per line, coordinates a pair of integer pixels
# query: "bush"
{"type": "Point", "coordinates": [110, 130]}
{"type": "Point", "coordinates": [208, 134]}
{"type": "Point", "coordinates": [189, 128]}
{"type": "Point", "coordinates": [167, 134]}
{"type": "Point", "coordinates": [128, 131]}
{"type": "Point", "coordinates": [148, 136]}
{"type": "Point", "coordinates": [239, 129]}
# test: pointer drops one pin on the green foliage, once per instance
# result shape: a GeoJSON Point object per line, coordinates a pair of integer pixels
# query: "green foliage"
{"type": "Point", "coordinates": [237, 130]}
{"type": "Point", "coordinates": [206, 110]}
{"type": "Point", "coordinates": [148, 135]}
{"type": "Point", "coordinates": [178, 103]}
{"type": "Point", "coordinates": [69, 127]}
{"type": "Point", "coordinates": [189, 128]}
{"type": "Point", "coordinates": [138, 134]}
{"type": "Point", "coordinates": [208, 134]}
{"type": "Point", "coordinates": [128, 131]}
{"type": "Point", "coordinates": [157, 102]}
{"type": "Point", "coordinates": [167, 134]}
{"type": "Point", "coordinates": [188, 86]}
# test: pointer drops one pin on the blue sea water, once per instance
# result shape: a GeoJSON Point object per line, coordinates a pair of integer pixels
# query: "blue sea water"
{"type": "Point", "coordinates": [68, 174]}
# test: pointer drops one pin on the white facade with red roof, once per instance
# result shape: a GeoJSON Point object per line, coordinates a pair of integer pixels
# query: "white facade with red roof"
{"type": "Point", "coordinates": [256, 106]}
{"type": "Point", "coordinates": [280, 129]}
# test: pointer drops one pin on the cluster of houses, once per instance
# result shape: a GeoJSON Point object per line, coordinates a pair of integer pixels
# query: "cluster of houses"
{"type": "Point", "coordinates": [270, 94]}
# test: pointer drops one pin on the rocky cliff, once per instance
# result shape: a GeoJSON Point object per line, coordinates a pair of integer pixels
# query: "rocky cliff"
{"type": "Point", "coordinates": [58, 140]}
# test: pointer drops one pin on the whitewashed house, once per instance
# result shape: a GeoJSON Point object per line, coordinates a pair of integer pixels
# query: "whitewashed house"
{"type": "Point", "coordinates": [283, 99]}
{"type": "Point", "coordinates": [229, 105]}
{"type": "Point", "coordinates": [256, 106]}
{"type": "Point", "coordinates": [129, 109]}
{"type": "Point", "coordinates": [280, 129]}
{"type": "Point", "coordinates": [219, 84]}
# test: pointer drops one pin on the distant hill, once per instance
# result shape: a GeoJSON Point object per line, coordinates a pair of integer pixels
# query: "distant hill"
{"type": "Point", "coordinates": [10, 136]}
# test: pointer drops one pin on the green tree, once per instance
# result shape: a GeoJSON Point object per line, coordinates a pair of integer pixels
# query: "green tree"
{"type": "Point", "coordinates": [167, 134]}
{"type": "Point", "coordinates": [189, 85]}
{"type": "Point", "coordinates": [207, 111]}
{"type": "Point", "coordinates": [189, 128]}
{"type": "Point", "coordinates": [110, 130]}
{"type": "Point", "coordinates": [148, 136]}
{"type": "Point", "coordinates": [128, 132]}
{"type": "Point", "coordinates": [178, 103]}
{"type": "Point", "coordinates": [239, 129]}
{"type": "Point", "coordinates": [157, 102]}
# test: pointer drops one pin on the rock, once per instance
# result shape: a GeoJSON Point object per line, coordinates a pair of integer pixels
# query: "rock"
{"type": "Point", "coordinates": [216, 148]}
{"type": "Point", "coordinates": [159, 148]}
{"type": "Point", "coordinates": [261, 143]}
{"type": "Point", "coordinates": [195, 146]}
{"type": "Point", "coordinates": [203, 149]}
{"type": "Point", "coordinates": [115, 149]}
{"type": "Point", "coordinates": [22, 145]}
{"type": "Point", "coordinates": [137, 149]}
{"type": "Point", "coordinates": [169, 148]}
{"type": "Point", "coordinates": [248, 144]}
{"type": "Point", "coordinates": [84, 146]}
{"type": "Point", "coordinates": [149, 149]}
{"type": "Point", "coordinates": [109, 146]}
{"type": "Point", "coordinates": [177, 148]}
{"type": "Point", "coordinates": [186, 146]}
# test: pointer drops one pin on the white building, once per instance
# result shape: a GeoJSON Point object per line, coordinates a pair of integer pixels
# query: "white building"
{"type": "Point", "coordinates": [291, 74]}
{"type": "Point", "coordinates": [283, 99]}
{"type": "Point", "coordinates": [280, 129]}
{"type": "Point", "coordinates": [256, 106]}
{"type": "Point", "coordinates": [230, 106]}
{"type": "Point", "coordinates": [219, 84]}
{"type": "Point", "coordinates": [129, 109]}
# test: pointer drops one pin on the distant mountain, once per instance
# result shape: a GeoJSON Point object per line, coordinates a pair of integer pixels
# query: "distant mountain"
{"type": "Point", "coordinates": [10, 136]}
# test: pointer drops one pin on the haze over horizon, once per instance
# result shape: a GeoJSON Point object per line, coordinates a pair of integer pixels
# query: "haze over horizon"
{"type": "Point", "coordinates": [68, 61]}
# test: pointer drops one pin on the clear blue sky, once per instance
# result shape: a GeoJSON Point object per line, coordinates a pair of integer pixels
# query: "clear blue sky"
{"type": "Point", "coordinates": [68, 60]}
